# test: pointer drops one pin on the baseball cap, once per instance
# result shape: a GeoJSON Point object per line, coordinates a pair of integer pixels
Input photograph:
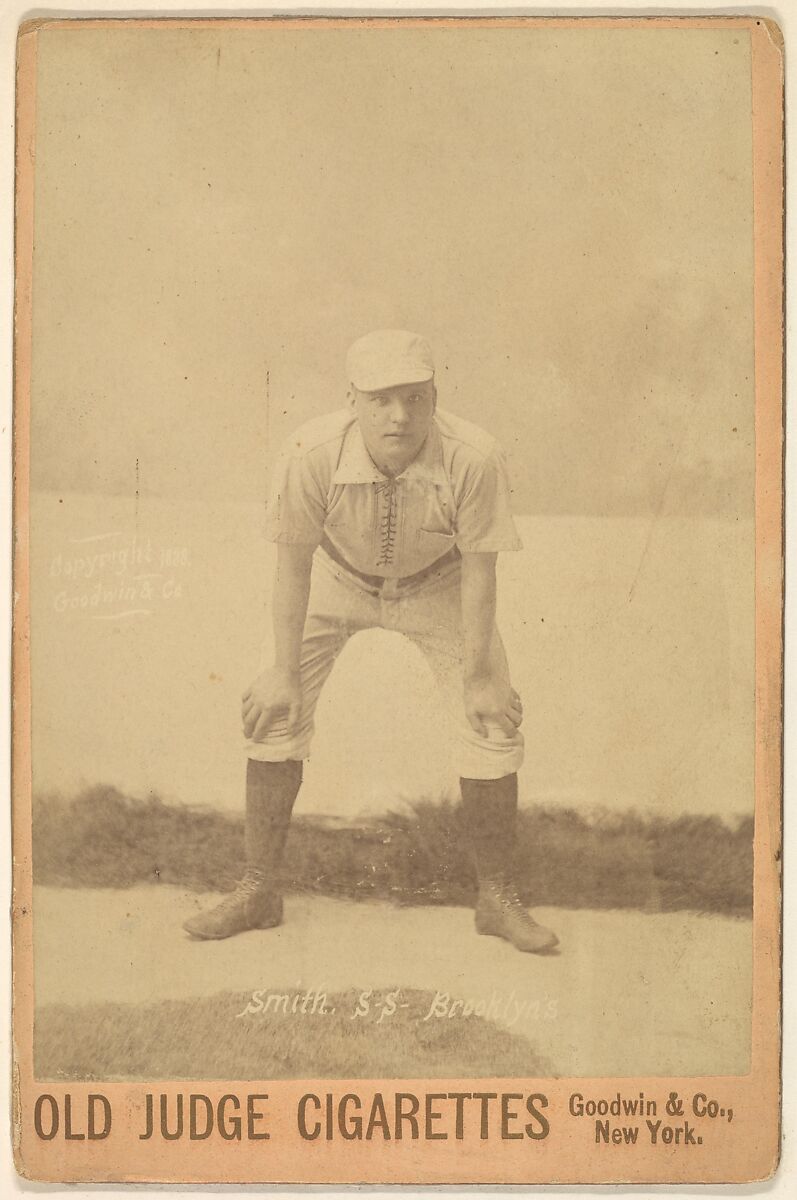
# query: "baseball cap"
{"type": "Point", "coordinates": [388, 357]}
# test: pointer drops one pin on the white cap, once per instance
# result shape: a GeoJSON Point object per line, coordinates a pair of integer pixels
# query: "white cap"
{"type": "Point", "coordinates": [388, 357]}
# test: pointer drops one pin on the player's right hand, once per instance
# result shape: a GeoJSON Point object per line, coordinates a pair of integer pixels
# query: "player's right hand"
{"type": "Point", "coordinates": [275, 694]}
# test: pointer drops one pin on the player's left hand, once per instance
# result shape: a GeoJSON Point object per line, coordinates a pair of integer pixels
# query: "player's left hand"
{"type": "Point", "coordinates": [492, 702]}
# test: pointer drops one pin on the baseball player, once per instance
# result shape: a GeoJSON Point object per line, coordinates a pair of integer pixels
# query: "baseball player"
{"type": "Point", "coordinates": [390, 514]}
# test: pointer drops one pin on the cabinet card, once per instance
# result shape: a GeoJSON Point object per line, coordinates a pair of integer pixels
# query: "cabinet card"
{"type": "Point", "coordinates": [398, 578]}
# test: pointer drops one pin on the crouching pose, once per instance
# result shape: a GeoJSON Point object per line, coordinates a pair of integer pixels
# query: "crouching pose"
{"type": "Point", "coordinates": [387, 514]}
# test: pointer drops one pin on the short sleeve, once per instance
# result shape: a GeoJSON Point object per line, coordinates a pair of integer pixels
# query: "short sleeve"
{"type": "Point", "coordinates": [296, 506]}
{"type": "Point", "coordinates": [484, 516]}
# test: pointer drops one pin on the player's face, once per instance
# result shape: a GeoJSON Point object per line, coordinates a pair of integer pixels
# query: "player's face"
{"type": "Point", "coordinates": [395, 422]}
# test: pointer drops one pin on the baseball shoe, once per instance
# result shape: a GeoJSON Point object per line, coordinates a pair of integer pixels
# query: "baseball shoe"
{"type": "Point", "coordinates": [252, 905]}
{"type": "Point", "coordinates": [500, 913]}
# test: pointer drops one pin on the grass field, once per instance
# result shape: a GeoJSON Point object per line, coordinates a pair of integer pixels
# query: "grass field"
{"type": "Point", "coordinates": [102, 838]}
{"type": "Point", "coordinates": [205, 1038]}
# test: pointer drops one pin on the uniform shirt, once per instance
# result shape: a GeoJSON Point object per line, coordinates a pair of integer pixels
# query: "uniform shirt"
{"type": "Point", "coordinates": [454, 493]}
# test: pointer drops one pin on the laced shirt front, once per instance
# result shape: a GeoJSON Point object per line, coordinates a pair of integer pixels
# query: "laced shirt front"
{"type": "Point", "coordinates": [325, 485]}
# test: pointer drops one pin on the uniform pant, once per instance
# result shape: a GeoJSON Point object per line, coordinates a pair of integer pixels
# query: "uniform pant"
{"type": "Point", "coordinates": [428, 613]}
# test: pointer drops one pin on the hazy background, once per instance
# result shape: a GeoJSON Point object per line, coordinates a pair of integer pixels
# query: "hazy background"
{"type": "Point", "coordinates": [567, 214]}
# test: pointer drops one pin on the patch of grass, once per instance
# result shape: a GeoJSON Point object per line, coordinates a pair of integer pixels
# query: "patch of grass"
{"type": "Point", "coordinates": [206, 1039]}
{"type": "Point", "coordinates": [102, 838]}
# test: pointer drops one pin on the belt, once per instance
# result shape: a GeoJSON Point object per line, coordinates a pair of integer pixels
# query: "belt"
{"type": "Point", "coordinates": [378, 581]}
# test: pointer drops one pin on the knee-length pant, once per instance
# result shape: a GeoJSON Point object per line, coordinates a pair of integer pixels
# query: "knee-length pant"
{"type": "Point", "coordinates": [429, 614]}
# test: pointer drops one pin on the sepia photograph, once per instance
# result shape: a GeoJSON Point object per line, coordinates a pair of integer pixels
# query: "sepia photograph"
{"type": "Point", "coordinates": [392, 512]}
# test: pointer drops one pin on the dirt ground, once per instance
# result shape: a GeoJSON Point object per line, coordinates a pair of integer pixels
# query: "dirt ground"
{"type": "Point", "coordinates": [629, 993]}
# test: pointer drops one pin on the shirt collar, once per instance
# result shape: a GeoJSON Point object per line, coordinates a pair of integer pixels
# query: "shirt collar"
{"type": "Point", "coordinates": [355, 464]}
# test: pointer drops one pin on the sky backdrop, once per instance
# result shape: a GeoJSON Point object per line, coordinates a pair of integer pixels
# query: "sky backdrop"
{"type": "Point", "coordinates": [566, 213]}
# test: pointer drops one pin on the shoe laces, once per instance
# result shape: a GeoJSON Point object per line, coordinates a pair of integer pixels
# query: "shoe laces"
{"type": "Point", "coordinates": [508, 898]}
{"type": "Point", "coordinates": [511, 900]}
{"type": "Point", "coordinates": [250, 883]}
{"type": "Point", "coordinates": [253, 877]}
